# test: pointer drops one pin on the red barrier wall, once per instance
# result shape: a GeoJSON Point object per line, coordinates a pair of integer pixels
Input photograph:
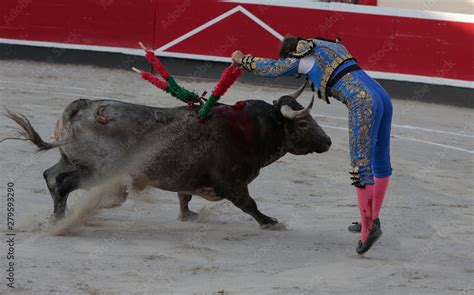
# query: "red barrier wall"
{"type": "Point", "coordinates": [367, 2]}
{"type": "Point", "coordinates": [118, 23]}
{"type": "Point", "coordinates": [412, 45]}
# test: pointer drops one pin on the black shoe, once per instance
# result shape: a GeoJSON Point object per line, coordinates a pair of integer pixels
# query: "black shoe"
{"type": "Point", "coordinates": [377, 223]}
{"type": "Point", "coordinates": [357, 227]}
{"type": "Point", "coordinates": [374, 235]}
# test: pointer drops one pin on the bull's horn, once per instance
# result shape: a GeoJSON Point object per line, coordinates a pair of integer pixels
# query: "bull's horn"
{"type": "Point", "coordinates": [291, 114]}
{"type": "Point", "coordinates": [298, 92]}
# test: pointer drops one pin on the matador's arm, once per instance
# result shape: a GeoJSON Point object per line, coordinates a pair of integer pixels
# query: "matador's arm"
{"type": "Point", "coordinates": [267, 67]}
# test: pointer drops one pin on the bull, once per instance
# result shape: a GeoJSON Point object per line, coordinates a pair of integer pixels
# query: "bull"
{"type": "Point", "coordinates": [167, 148]}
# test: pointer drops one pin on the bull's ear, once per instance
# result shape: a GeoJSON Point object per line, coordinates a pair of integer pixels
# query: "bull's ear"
{"type": "Point", "coordinates": [276, 115]}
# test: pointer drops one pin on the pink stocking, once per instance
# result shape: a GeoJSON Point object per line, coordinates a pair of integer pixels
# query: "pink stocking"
{"type": "Point", "coordinates": [380, 188]}
{"type": "Point", "coordinates": [365, 199]}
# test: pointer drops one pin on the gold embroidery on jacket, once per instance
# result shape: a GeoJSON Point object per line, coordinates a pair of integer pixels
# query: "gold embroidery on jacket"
{"type": "Point", "coordinates": [361, 119]}
{"type": "Point", "coordinates": [364, 117]}
{"type": "Point", "coordinates": [303, 48]}
{"type": "Point", "coordinates": [328, 69]}
{"type": "Point", "coordinates": [274, 69]}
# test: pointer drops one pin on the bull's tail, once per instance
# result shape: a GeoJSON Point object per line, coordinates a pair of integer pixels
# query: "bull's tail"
{"type": "Point", "coordinates": [27, 132]}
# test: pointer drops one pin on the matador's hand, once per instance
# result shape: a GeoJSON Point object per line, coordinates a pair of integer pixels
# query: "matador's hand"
{"type": "Point", "coordinates": [237, 56]}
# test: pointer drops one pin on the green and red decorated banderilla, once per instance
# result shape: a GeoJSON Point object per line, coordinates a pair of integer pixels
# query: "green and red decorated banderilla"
{"type": "Point", "coordinates": [228, 77]}
{"type": "Point", "coordinates": [169, 84]}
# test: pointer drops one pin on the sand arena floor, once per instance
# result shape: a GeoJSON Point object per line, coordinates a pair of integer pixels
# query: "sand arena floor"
{"type": "Point", "coordinates": [141, 247]}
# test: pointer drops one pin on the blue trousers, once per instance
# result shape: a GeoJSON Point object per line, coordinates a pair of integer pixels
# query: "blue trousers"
{"type": "Point", "coordinates": [370, 120]}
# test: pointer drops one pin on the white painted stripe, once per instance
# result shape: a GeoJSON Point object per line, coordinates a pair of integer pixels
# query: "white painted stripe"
{"type": "Point", "coordinates": [365, 9]}
{"type": "Point", "coordinates": [216, 20]}
{"type": "Point", "coordinates": [434, 143]}
{"type": "Point", "coordinates": [433, 130]}
{"type": "Point", "coordinates": [73, 46]}
{"type": "Point", "coordinates": [405, 127]}
{"type": "Point", "coordinates": [421, 79]}
{"type": "Point", "coordinates": [63, 93]}
{"type": "Point", "coordinates": [261, 23]}
{"type": "Point", "coordinates": [194, 56]}
{"type": "Point", "coordinates": [410, 139]}
{"type": "Point", "coordinates": [199, 29]}
{"type": "Point", "coordinates": [333, 127]}
{"type": "Point", "coordinates": [59, 86]}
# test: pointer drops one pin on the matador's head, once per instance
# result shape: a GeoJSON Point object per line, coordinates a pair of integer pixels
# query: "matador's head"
{"type": "Point", "coordinates": [294, 46]}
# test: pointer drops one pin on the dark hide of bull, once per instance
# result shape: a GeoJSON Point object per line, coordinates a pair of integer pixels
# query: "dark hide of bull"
{"type": "Point", "coordinates": [167, 148]}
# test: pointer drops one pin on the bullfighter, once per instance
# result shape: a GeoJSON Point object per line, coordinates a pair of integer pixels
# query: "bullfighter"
{"type": "Point", "coordinates": [332, 69]}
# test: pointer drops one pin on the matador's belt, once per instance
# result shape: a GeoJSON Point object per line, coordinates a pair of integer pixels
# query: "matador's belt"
{"type": "Point", "coordinates": [337, 77]}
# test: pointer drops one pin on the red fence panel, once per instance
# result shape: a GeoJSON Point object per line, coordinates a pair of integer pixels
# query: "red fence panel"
{"type": "Point", "coordinates": [117, 23]}
{"type": "Point", "coordinates": [384, 40]}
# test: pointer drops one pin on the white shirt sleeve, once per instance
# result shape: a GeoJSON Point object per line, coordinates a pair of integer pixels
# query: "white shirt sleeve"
{"type": "Point", "coordinates": [306, 64]}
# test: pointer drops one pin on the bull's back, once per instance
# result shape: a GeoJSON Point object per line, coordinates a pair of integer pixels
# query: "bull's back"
{"type": "Point", "coordinates": [103, 133]}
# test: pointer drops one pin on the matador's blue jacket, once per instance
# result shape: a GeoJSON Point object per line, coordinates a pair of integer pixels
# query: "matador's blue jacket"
{"type": "Point", "coordinates": [370, 109]}
{"type": "Point", "coordinates": [315, 58]}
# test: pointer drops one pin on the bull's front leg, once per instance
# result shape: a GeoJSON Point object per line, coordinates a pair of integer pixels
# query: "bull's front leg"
{"type": "Point", "coordinates": [241, 198]}
{"type": "Point", "coordinates": [184, 213]}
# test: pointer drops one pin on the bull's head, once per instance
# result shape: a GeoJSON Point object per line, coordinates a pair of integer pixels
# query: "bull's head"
{"type": "Point", "coordinates": [303, 134]}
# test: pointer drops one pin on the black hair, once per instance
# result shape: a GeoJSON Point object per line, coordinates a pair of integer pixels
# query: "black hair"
{"type": "Point", "coordinates": [288, 45]}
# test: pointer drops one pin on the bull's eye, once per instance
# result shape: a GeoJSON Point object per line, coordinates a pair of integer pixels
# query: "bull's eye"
{"type": "Point", "coordinates": [303, 124]}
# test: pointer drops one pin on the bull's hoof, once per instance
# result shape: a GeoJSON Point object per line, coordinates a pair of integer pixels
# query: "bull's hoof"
{"type": "Point", "coordinates": [188, 216]}
{"type": "Point", "coordinates": [58, 216]}
{"type": "Point", "coordinates": [272, 224]}
{"type": "Point", "coordinates": [48, 222]}
{"type": "Point", "coordinates": [117, 197]}
{"type": "Point", "coordinates": [111, 203]}
{"type": "Point", "coordinates": [278, 226]}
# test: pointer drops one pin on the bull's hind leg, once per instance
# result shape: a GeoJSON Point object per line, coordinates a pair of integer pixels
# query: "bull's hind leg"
{"type": "Point", "coordinates": [50, 177]}
{"type": "Point", "coordinates": [67, 182]}
{"type": "Point", "coordinates": [61, 179]}
{"type": "Point", "coordinates": [184, 213]}
{"type": "Point", "coordinates": [118, 196]}
{"type": "Point", "coordinates": [241, 198]}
